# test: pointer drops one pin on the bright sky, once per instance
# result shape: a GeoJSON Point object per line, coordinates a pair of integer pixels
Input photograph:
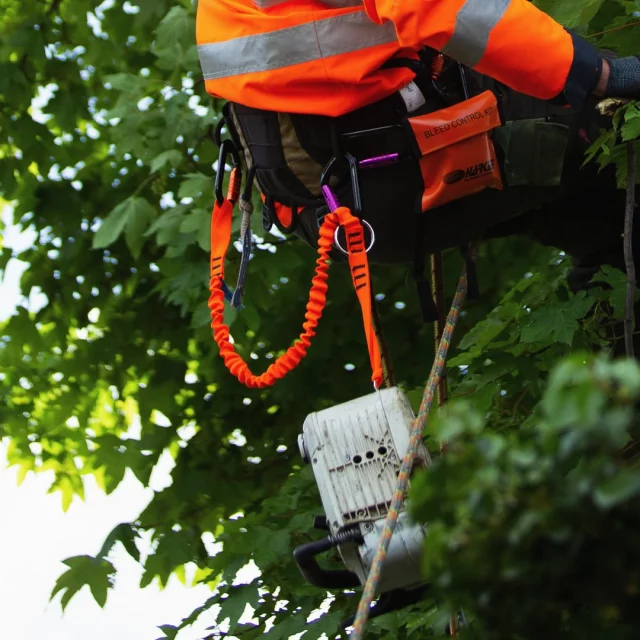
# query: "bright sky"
{"type": "Point", "coordinates": [35, 536]}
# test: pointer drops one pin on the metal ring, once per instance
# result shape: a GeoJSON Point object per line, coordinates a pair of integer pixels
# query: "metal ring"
{"type": "Point", "coordinates": [336, 242]}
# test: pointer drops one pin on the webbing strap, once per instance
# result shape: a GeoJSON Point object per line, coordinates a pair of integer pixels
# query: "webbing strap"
{"type": "Point", "coordinates": [358, 263]}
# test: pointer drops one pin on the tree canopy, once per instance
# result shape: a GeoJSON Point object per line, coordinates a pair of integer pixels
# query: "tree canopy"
{"type": "Point", "coordinates": [107, 152]}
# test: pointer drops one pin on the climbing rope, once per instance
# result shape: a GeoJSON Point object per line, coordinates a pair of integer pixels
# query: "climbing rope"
{"type": "Point", "coordinates": [437, 286]}
{"type": "Point", "coordinates": [417, 428]}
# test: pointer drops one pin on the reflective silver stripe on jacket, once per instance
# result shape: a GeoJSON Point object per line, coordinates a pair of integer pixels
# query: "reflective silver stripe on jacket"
{"type": "Point", "coordinates": [293, 45]}
{"type": "Point", "coordinates": [475, 21]}
{"type": "Point", "coordinates": [343, 3]}
{"type": "Point", "coordinates": [266, 4]}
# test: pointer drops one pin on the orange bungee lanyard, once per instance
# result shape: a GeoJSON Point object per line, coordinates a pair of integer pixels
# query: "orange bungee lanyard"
{"type": "Point", "coordinates": [358, 264]}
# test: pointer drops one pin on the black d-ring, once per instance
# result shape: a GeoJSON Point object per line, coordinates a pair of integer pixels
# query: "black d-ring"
{"type": "Point", "coordinates": [227, 148]}
{"type": "Point", "coordinates": [328, 171]}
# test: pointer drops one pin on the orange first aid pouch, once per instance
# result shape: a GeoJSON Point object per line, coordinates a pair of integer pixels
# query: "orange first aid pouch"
{"type": "Point", "coordinates": [457, 156]}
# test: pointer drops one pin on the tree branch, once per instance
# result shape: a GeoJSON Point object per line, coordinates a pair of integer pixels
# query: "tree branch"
{"type": "Point", "coordinates": [55, 5]}
{"type": "Point", "coordinates": [628, 247]}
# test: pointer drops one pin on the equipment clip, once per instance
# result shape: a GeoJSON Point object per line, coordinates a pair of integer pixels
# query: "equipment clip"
{"type": "Point", "coordinates": [228, 148]}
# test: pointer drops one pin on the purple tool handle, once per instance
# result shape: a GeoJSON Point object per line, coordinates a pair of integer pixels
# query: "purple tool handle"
{"type": "Point", "coordinates": [378, 161]}
{"type": "Point", "coordinates": [330, 198]}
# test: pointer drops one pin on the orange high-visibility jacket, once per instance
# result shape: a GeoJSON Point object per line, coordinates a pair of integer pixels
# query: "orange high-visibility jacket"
{"type": "Point", "coordinates": [325, 56]}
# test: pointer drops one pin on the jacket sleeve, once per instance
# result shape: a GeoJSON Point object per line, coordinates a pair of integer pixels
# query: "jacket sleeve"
{"type": "Point", "coordinates": [509, 40]}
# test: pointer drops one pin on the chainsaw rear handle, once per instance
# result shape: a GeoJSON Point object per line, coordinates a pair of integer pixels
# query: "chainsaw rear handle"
{"type": "Point", "coordinates": [314, 574]}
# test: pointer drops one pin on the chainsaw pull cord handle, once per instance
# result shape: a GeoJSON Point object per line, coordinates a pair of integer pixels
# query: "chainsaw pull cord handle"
{"type": "Point", "coordinates": [358, 262]}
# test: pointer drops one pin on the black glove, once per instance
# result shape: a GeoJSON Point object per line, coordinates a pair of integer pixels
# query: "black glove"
{"type": "Point", "coordinates": [624, 78]}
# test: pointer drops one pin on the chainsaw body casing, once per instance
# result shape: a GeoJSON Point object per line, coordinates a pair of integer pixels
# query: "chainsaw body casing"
{"type": "Point", "coordinates": [356, 450]}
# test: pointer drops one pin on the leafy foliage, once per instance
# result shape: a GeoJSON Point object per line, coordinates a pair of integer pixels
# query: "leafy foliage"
{"type": "Point", "coordinates": [107, 154]}
{"type": "Point", "coordinates": [97, 573]}
{"type": "Point", "coordinates": [537, 535]}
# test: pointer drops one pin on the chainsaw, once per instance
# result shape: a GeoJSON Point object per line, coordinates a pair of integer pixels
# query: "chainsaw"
{"type": "Point", "coordinates": [356, 450]}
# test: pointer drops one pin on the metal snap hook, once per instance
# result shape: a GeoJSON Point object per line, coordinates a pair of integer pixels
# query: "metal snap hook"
{"type": "Point", "coordinates": [353, 179]}
{"type": "Point", "coordinates": [227, 148]}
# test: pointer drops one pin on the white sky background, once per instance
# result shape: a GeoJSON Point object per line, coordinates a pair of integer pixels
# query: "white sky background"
{"type": "Point", "coordinates": [35, 536]}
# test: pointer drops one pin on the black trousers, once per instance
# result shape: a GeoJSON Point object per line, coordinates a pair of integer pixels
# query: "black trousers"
{"type": "Point", "coordinates": [588, 226]}
{"type": "Point", "coordinates": [587, 222]}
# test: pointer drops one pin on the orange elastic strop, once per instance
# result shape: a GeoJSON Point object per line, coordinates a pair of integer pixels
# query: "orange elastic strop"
{"type": "Point", "coordinates": [358, 263]}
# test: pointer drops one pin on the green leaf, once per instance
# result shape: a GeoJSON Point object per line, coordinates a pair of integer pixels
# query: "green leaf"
{"type": "Point", "coordinates": [113, 225]}
{"type": "Point", "coordinates": [171, 158]}
{"type": "Point", "coordinates": [631, 128]}
{"type": "Point", "coordinates": [97, 573]}
{"type": "Point", "coordinates": [326, 626]}
{"type": "Point", "coordinates": [195, 185]}
{"type": "Point", "coordinates": [176, 26]}
{"type": "Point", "coordinates": [140, 216]}
{"type": "Point", "coordinates": [233, 607]}
{"type": "Point", "coordinates": [198, 221]}
{"type": "Point", "coordinates": [126, 82]}
{"type": "Point", "coordinates": [571, 14]}
{"type": "Point", "coordinates": [617, 295]}
{"type": "Point", "coordinates": [170, 632]}
{"type": "Point", "coordinates": [620, 488]}
{"type": "Point", "coordinates": [285, 628]}
{"type": "Point", "coordinates": [557, 323]}
{"type": "Point", "coordinates": [126, 535]}
{"type": "Point", "coordinates": [133, 217]}
{"type": "Point", "coordinates": [175, 549]}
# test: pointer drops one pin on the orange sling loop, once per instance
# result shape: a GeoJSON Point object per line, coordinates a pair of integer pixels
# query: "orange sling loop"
{"type": "Point", "coordinates": [358, 263]}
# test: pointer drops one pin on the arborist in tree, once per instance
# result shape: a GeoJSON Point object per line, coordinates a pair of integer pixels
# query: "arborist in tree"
{"type": "Point", "coordinates": [433, 123]}
{"type": "Point", "coordinates": [438, 122]}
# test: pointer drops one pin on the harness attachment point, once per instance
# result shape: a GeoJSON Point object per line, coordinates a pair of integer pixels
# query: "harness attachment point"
{"type": "Point", "coordinates": [228, 148]}
{"type": "Point", "coordinates": [328, 172]}
{"type": "Point", "coordinates": [372, 241]}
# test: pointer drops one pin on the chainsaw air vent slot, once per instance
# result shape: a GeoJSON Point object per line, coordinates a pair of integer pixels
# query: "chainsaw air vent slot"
{"type": "Point", "coordinates": [372, 512]}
